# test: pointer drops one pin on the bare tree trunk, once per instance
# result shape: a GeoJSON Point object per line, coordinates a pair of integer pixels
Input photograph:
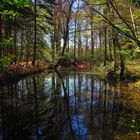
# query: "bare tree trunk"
{"type": "Point", "coordinates": [15, 45]}
{"type": "Point", "coordinates": [66, 33]}
{"type": "Point", "coordinates": [7, 50]}
{"type": "Point", "coordinates": [0, 34]}
{"type": "Point", "coordinates": [22, 46]}
{"type": "Point", "coordinates": [110, 50]}
{"type": "Point", "coordinates": [35, 27]}
{"type": "Point", "coordinates": [122, 61]}
{"type": "Point", "coordinates": [75, 23]}
{"type": "Point", "coordinates": [53, 46]}
{"type": "Point", "coordinates": [92, 37]}
{"type": "Point", "coordinates": [79, 38]}
{"type": "Point", "coordinates": [57, 36]}
{"type": "Point", "coordinates": [105, 43]}
{"type": "Point", "coordinates": [86, 45]}
{"type": "Point", "coordinates": [28, 47]}
{"type": "Point", "coordinates": [114, 49]}
{"type": "Point", "coordinates": [65, 43]}
{"type": "Point", "coordinates": [86, 42]}
{"type": "Point", "coordinates": [100, 39]}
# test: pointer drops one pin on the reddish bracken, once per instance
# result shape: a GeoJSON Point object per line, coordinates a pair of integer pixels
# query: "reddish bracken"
{"type": "Point", "coordinates": [83, 65]}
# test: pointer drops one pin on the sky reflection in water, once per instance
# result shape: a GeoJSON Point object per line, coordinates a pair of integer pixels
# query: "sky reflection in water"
{"type": "Point", "coordinates": [82, 108]}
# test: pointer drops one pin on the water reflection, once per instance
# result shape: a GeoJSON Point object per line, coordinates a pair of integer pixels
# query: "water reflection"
{"type": "Point", "coordinates": [64, 106]}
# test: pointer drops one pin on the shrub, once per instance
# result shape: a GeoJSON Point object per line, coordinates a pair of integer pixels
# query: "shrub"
{"type": "Point", "coordinates": [5, 61]}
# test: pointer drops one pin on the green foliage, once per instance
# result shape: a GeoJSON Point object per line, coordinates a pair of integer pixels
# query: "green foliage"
{"type": "Point", "coordinates": [98, 56]}
{"type": "Point", "coordinates": [123, 27]}
{"type": "Point", "coordinates": [133, 67]}
{"type": "Point", "coordinates": [5, 61]}
{"type": "Point", "coordinates": [6, 43]}
{"type": "Point", "coordinates": [126, 54]}
{"type": "Point", "coordinates": [47, 55]}
{"type": "Point", "coordinates": [18, 3]}
{"type": "Point", "coordinates": [135, 2]}
{"type": "Point", "coordinates": [11, 13]}
{"type": "Point", "coordinates": [13, 7]}
{"type": "Point", "coordinates": [137, 84]}
{"type": "Point", "coordinates": [136, 53]}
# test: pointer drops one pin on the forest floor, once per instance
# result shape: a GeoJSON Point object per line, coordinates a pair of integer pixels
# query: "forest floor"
{"type": "Point", "coordinates": [16, 71]}
{"type": "Point", "coordinates": [81, 65]}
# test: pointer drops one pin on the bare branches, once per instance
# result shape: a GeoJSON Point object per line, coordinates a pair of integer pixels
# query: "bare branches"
{"type": "Point", "coordinates": [119, 15]}
{"type": "Point", "coordinates": [108, 21]}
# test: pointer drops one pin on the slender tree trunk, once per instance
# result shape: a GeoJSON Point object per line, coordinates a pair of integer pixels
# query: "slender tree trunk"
{"type": "Point", "coordinates": [0, 34]}
{"type": "Point", "coordinates": [114, 34]}
{"type": "Point", "coordinates": [105, 38]}
{"type": "Point", "coordinates": [122, 61]}
{"type": "Point", "coordinates": [122, 64]}
{"type": "Point", "coordinates": [100, 39]}
{"type": "Point", "coordinates": [28, 47]}
{"type": "Point", "coordinates": [53, 46]}
{"type": "Point", "coordinates": [22, 46]}
{"type": "Point", "coordinates": [110, 50]}
{"type": "Point", "coordinates": [132, 19]}
{"type": "Point", "coordinates": [57, 39]}
{"type": "Point", "coordinates": [7, 32]}
{"type": "Point", "coordinates": [65, 43]}
{"type": "Point", "coordinates": [15, 45]}
{"type": "Point", "coordinates": [57, 27]}
{"type": "Point", "coordinates": [35, 27]}
{"type": "Point", "coordinates": [79, 38]}
{"type": "Point", "coordinates": [75, 23]}
{"type": "Point", "coordinates": [86, 42]}
{"type": "Point", "coordinates": [114, 49]}
{"type": "Point", "coordinates": [105, 43]}
{"type": "Point", "coordinates": [92, 37]}
{"type": "Point", "coordinates": [68, 43]}
{"type": "Point", "coordinates": [66, 33]}
{"type": "Point", "coordinates": [86, 45]}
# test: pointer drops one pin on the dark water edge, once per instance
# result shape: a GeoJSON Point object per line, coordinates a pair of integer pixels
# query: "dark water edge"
{"type": "Point", "coordinates": [66, 106]}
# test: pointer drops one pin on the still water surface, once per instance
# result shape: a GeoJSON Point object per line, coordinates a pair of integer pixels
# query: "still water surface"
{"type": "Point", "coordinates": [65, 106]}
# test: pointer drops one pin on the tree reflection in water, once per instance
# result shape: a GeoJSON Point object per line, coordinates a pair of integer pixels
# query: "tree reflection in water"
{"type": "Point", "coordinates": [65, 106]}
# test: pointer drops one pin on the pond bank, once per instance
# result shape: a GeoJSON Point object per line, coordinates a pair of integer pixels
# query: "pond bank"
{"type": "Point", "coordinates": [22, 69]}
{"type": "Point", "coordinates": [130, 73]}
{"type": "Point", "coordinates": [14, 72]}
{"type": "Point", "coordinates": [106, 72]}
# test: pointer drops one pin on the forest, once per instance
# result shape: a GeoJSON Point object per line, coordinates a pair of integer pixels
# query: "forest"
{"type": "Point", "coordinates": [54, 53]}
{"type": "Point", "coordinates": [100, 35]}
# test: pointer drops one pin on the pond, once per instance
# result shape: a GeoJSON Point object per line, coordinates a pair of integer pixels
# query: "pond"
{"type": "Point", "coordinates": [65, 106]}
